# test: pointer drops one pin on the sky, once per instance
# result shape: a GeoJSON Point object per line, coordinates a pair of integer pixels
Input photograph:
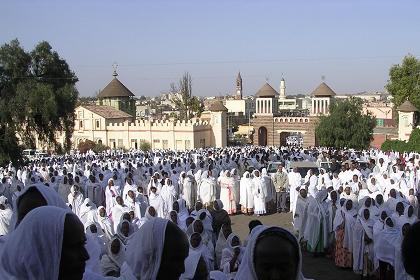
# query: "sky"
{"type": "Point", "coordinates": [352, 44]}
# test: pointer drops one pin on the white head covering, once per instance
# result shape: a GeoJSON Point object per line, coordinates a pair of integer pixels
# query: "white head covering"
{"type": "Point", "coordinates": [49, 194]}
{"type": "Point", "coordinates": [36, 255]}
{"type": "Point", "coordinates": [145, 247]}
{"type": "Point", "coordinates": [191, 263]}
{"type": "Point", "coordinates": [247, 269]}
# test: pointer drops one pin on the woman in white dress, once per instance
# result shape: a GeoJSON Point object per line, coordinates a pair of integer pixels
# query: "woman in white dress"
{"type": "Point", "coordinates": [247, 194]}
{"type": "Point", "coordinates": [260, 194]}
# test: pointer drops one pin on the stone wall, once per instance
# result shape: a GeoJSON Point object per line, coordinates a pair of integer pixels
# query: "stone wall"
{"type": "Point", "coordinates": [279, 127]}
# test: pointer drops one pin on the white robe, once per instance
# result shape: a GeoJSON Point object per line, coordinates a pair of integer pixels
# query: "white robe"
{"type": "Point", "coordinates": [259, 195]}
{"type": "Point", "coordinates": [207, 190]}
{"type": "Point", "coordinates": [301, 205]}
{"type": "Point", "coordinates": [247, 193]}
{"type": "Point", "coordinates": [295, 180]}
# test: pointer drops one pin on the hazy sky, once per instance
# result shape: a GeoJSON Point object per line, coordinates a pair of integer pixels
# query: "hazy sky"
{"type": "Point", "coordinates": [351, 43]}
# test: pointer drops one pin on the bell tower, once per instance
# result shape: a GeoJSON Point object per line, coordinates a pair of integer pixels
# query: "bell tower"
{"type": "Point", "coordinates": [238, 86]}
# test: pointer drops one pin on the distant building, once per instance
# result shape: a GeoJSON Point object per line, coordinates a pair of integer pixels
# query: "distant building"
{"type": "Point", "coordinates": [118, 96]}
{"type": "Point", "coordinates": [117, 129]}
{"type": "Point", "coordinates": [322, 97]}
{"type": "Point", "coordinates": [273, 128]}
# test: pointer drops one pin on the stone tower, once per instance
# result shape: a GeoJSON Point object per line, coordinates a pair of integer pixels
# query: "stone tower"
{"type": "Point", "coordinates": [407, 119]}
{"type": "Point", "coordinates": [282, 89]}
{"type": "Point", "coordinates": [117, 95]}
{"type": "Point", "coordinates": [238, 87]}
{"type": "Point", "coordinates": [266, 100]}
{"type": "Point", "coordinates": [219, 124]}
{"type": "Point", "coordinates": [322, 97]}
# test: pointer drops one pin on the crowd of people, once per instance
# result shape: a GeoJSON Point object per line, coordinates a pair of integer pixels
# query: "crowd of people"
{"type": "Point", "coordinates": [166, 214]}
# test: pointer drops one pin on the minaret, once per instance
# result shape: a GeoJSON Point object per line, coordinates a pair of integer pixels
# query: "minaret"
{"type": "Point", "coordinates": [238, 86]}
{"type": "Point", "coordinates": [282, 88]}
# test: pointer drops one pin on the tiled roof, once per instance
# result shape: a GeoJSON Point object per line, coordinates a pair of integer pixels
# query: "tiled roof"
{"type": "Point", "coordinates": [407, 106]}
{"type": "Point", "coordinates": [107, 112]}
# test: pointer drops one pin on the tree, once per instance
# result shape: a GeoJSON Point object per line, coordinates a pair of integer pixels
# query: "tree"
{"type": "Point", "coordinates": [404, 81]}
{"type": "Point", "coordinates": [85, 146]}
{"type": "Point", "coordinates": [188, 105]}
{"type": "Point", "coordinates": [346, 126]}
{"type": "Point", "coordinates": [145, 146]}
{"type": "Point", "coordinates": [37, 98]}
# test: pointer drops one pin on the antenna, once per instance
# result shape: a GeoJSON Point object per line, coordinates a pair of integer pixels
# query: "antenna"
{"type": "Point", "coordinates": [267, 79]}
{"type": "Point", "coordinates": [115, 66]}
{"type": "Point", "coordinates": [323, 78]}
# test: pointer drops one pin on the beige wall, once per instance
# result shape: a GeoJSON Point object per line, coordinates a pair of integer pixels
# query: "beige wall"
{"type": "Point", "coordinates": [405, 125]}
{"type": "Point", "coordinates": [380, 111]}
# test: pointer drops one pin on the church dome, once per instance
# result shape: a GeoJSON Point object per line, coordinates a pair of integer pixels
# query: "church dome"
{"type": "Point", "coordinates": [115, 89]}
{"type": "Point", "coordinates": [266, 91]}
{"type": "Point", "coordinates": [217, 106]}
{"type": "Point", "coordinates": [323, 90]}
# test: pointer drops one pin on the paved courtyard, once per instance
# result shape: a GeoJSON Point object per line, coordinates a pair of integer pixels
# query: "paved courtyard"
{"type": "Point", "coordinates": [315, 268]}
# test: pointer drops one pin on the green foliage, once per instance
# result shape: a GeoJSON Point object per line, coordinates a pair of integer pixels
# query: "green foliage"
{"type": "Point", "coordinates": [413, 144]}
{"type": "Point", "coordinates": [85, 146]}
{"type": "Point", "coordinates": [38, 95]}
{"type": "Point", "coordinates": [414, 140]}
{"type": "Point", "coordinates": [145, 146]}
{"type": "Point", "coordinates": [346, 126]}
{"type": "Point", "coordinates": [99, 148]}
{"type": "Point", "coordinates": [189, 106]}
{"type": "Point", "coordinates": [404, 81]}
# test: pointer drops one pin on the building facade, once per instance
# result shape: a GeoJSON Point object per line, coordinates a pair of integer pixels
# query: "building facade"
{"type": "Point", "coordinates": [117, 129]}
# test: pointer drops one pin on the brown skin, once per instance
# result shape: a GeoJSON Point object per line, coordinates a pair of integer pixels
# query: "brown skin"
{"type": "Point", "coordinates": [115, 246]}
{"type": "Point", "coordinates": [73, 254]}
{"type": "Point", "coordinates": [175, 251]}
{"type": "Point", "coordinates": [279, 262]}
{"type": "Point", "coordinates": [30, 200]}
{"type": "Point", "coordinates": [102, 212]}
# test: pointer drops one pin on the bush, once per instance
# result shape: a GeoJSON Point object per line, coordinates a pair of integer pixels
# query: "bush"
{"type": "Point", "coordinates": [145, 146]}
{"type": "Point", "coordinates": [413, 144]}
{"type": "Point", "coordinates": [99, 148]}
{"type": "Point", "coordinates": [85, 146]}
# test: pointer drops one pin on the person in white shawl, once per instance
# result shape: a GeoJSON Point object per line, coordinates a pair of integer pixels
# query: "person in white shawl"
{"type": "Point", "coordinates": [168, 195]}
{"type": "Point", "coordinates": [40, 255]}
{"type": "Point", "coordinates": [111, 192]}
{"type": "Point", "coordinates": [384, 246]}
{"type": "Point", "coordinates": [105, 223]}
{"type": "Point", "coordinates": [197, 246]}
{"type": "Point", "coordinates": [300, 208]}
{"type": "Point", "coordinates": [112, 261]}
{"type": "Point", "coordinates": [295, 180]}
{"type": "Point", "coordinates": [87, 212]}
{"type": "Point", "coordinates": [260, 194]}
{"type": "Point", "coordinates": [224, 233]}
{"type": "Point", "coordinates": [190, 190]}
{"type": "Point", "coordinates": [399, 270]}
{"type": "Point", "coordinates": [157, 202]}
{"type": "Point", "coordinates": [75, 199]}
{"type": "Point", "coordinates": [195, 267]}
{"type": "Point", "coordinates": [227, 183]}
{"type": "Point", "coordinates": [156, 251]}
{"type": "Point", "coordinates": [247, 194]}
{"type": "Point", "coordinates": [271, 253]}
{"type": "Point", "coordinates": [362, 248]}
{"type": "Point", "coordinates": [317, 223]}
{"type": "Point", "coordinates": [5, 215]}
{"type": "Point", "coordinates": [236, 186]}
{"type": "Point", "coordinates": [117, 211]}
{"type": "Point", "coordinates": [207, 188]}
{"type": "Point", "coordinates": [232, 256]}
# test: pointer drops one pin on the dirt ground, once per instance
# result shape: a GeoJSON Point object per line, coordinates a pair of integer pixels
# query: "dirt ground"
{"type": "Point", "coordinates": [319, 268]}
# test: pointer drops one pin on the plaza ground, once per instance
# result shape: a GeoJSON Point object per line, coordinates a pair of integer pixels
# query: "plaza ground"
{"type": "Point", "coordinates": [319, 268]}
